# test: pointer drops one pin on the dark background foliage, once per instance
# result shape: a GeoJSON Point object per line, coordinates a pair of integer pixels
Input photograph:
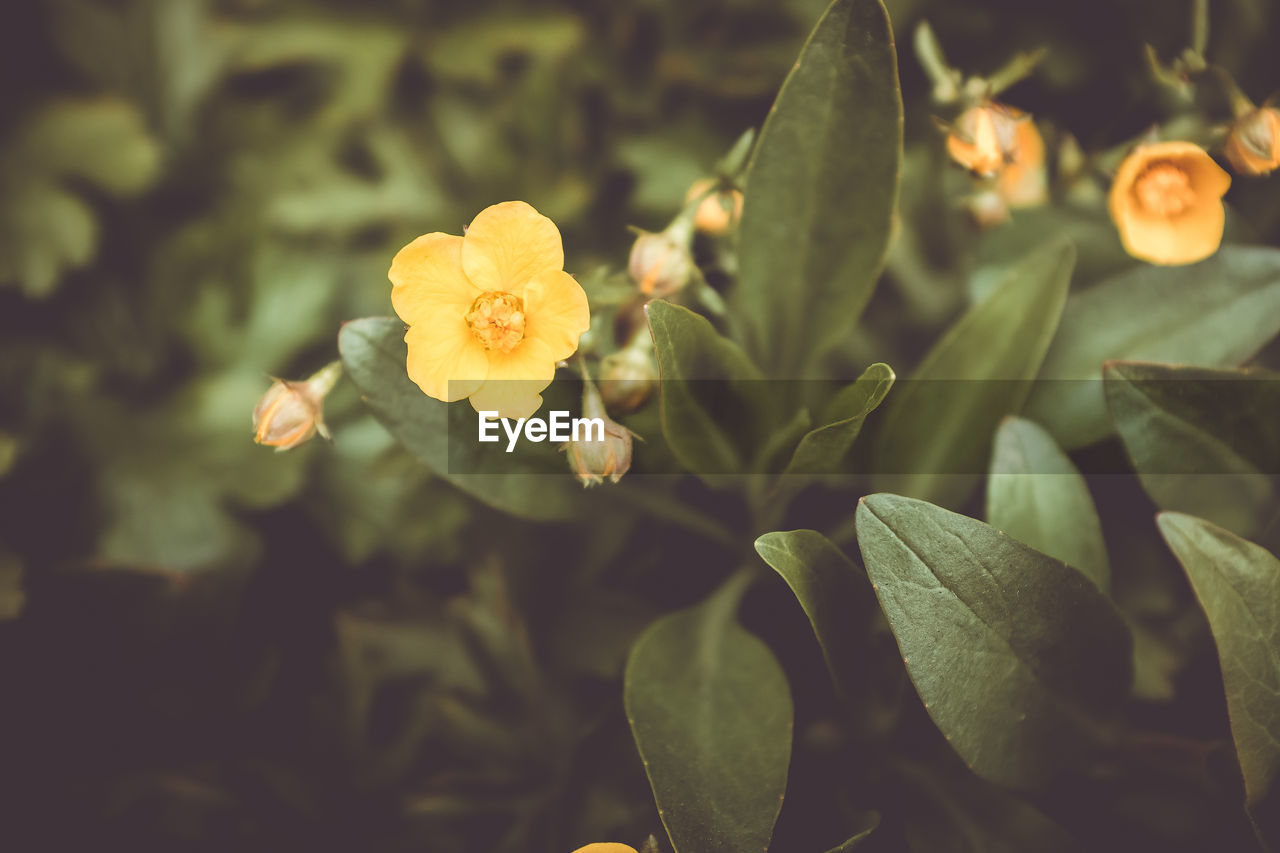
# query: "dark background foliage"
{"type": "Point", "coordinates": [222, 648]}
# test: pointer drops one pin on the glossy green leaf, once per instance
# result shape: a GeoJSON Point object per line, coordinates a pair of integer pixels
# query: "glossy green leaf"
{"type": "Point", "coordinates": [1216, 313]}
{"type": "Point", "coordinates": [822, 450]}
{"type": "Point", "coordinates": [443, 435]}
{"type": "Point", "coordinates": [711, 392]}
{"type": "Point", "coordinates": [821, 191]}
{"type": "Point", "coordinates": [1038, 497]}
{"type": "Point", "coordinates": [1204, 442]}
{"type": "Point", "coordinates": [711, 714]}
{"type": "Point", "coordinates": [941, 423]}
{"type": "Point", "coordinates": [1019, 658]}
{"type": "Point", "coordinates": [1238, 585]}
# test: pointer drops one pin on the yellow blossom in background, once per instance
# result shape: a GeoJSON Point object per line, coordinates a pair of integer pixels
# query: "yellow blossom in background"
{"type": "Point", "coordinates": [290, 413]}
{"type": "Point", "coordinates": [1024, 180]}
{"type": "Point", "coordinates": [490, 313]}
{"type": "Point", "coordinates": [719, 211]}
{"type": "Point", "coordinates": [1253, 145]}
{"type": "Point", "coordinates": [985, 138]}
{"type": "Point", "coordinates": [1166, 202]}
{"type": "Point", "coordinates": [606, 847]}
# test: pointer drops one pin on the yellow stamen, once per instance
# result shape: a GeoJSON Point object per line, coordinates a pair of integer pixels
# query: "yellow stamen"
{"type": "Point", "coordinates": [497, 320]}
{"type": "Point", "coordinates": [1164, 189]}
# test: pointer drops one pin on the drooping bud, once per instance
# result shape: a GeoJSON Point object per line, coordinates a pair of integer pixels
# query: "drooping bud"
{"type": "Point", "coordinates": [291, 412]}
{"type": "Point", "coordinates": [985, 138]}
{"type": "Point", "coordinates": [628, 376]}
{"type": "Point", "coordinates": [661, 263]}
{"type": "Point", "coordinates": [599, 453]}
{"type": "Point", "coordinates": [1253, 145]}
{"type": "Point", "coordinates": [718, 211]}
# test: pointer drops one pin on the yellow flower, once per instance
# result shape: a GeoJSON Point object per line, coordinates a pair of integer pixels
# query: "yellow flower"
{"type": "Point", "coordinates": [719, 211]}
{"type": "Point", "coordinates": [290, 413]}
{"type": "Point", "coordinates": [490, 313]}
{"type": "Point", "coordinates": [1166, 201]}
{"type": "Point", "coordinates": [606, 847]}
{"type": "Point", "coordinates": [1253, 146]}
{"type": "Point", "coordinates": [986, 137]}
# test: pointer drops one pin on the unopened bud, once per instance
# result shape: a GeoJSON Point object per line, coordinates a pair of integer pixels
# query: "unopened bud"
{"type": "Point", "coordinates": [290, 413]}
{"type": "Point", "coordinates": [718, 211]}
{"type": "Point", "coordinates": [985, 138]}
{"type": "Point", "coordinates": [660, 263]}
{"type": "Point", "coordinates": [594, 457]}
{"type": "Point", "coordinates": [1253, 146]}
{"type": "Point", "coordinates": [628, 377]}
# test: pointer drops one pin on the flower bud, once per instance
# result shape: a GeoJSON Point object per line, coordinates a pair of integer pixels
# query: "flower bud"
{"type": "Point", "coordinates": [985, 138]}
{"type": "Point", "coordinates": [1253, 146]}
{"type": "Point", "coordinates": [594, 457]}
{"type": "Point", "coordinates": [660, 263]}
{"type": "Point", "coordinates": [628, 377]}
{"type": "Point", "coordinates": [718, 211]}
{"type": "Point", "coordinates": [290, 413]}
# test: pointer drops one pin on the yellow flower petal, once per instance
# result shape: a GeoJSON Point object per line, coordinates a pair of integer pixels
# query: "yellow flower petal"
{"type": "Point", "coordinates": [556, 312]}
{"type": "Point", "coordinates": [508, 244]}
{"type": "Point", "coordinates": [1192, 237]}
{"type": "Point", "coordinates": [606, 847]}
{"type": "Point", "coordinates": [445, 359]}
{"type": "Point", "coordinates": [426, 277]}
{"type": "Point", "coordinates": [514, 385]}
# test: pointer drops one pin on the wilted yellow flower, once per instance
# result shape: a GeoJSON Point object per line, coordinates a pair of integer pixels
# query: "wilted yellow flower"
{"type": "Point", "coordinates": [986, 137]}
{"type": "Point", "coordinates": [1253, 146]}
{"type": "Point", "coordinates": [606, 847]}
{"type": "Point", "coordinates": [719, 211]}
{"type": "Point", "coordinates": [660, 263]}
{"type": "Point", "coordinates": [1166, 201]}
{"type": "Point", "coordinates": [290, 413]}
{"type": "Point", "coordinates": [599, 454]}
{"type": "Point", "coordinates": [489, 313]}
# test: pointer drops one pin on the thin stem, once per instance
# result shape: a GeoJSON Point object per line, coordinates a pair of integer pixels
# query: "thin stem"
{"type": "Point", "coordinates": [1199, 26]}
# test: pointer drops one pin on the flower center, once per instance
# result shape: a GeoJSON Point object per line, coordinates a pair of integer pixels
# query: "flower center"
{"type": "Point", "coordinates": [1164, 190]}
{"type": "Point", "coordinates": [497, 320]}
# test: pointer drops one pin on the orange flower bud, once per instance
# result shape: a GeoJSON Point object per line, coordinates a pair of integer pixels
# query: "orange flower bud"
{"type": "Point", "coordinates": [986, 137]}
{"type": "Point", "coordinates": [594, 457]}
{"type": "Point", "coordinates": [719, 211]}
{"type": "Point", "coordinates": [1253, 146]}
{"type": "Point", "coordinates": [628, 377]}
{"type": "Point", "coordinates": [1166, 202]}
{"type": "Point", "coordinates": [290, 413]}
{"type": "Point", "coordinates": [660, 264]}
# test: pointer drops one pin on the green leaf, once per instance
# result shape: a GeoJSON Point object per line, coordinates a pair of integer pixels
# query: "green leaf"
{"type": "Point", "coordinates": [834, 595]}
{"type": "Point", "coordinates": [711, 393]}
{"type": "Point", "coordinates": [442, 435]}
{"type": "Point", "coordinates": [12, 597]}
{"type": "Point", "coordinates": [941, 424]}
{"type": "Point", "coordinates": [1238, 585]}
{"type": "Point", "coordinates": [1203, 442]}
{"type": "Point", "coordinates": [1019, 658]}
{"type": "Point", "coordinates": [821, 191]}
{"type": "Point", "coordinates": [823, 450]}
{"type": "Point", "coordinates": [711, 714]}
{"type": "Point", "coordinates": [1038, 497]}
{"type": "Point", "coordinates": [1216, 313]}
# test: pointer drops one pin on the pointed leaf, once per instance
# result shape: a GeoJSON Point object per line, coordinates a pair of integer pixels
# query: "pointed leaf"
{"type": "Point", "coordinates": [711, 714]}
{"type": "Point", "coordinates": [822, 450]}
{"type": "Point", "coordinates": [1203, 442]}
{"type": "Point", "coordinates": [821, 191]}
{"type": "Point", "coordinates": [712, 414]}
{"type": "Point", "coordinates": [1038, 497]}
{"type": "Point", "coordinates": [1216, 313]}
{"type": "Point", "coordinates": [1238, 585]}
{"type": "Point", "coordinates": [1019, 658]}
{"type": "Point", "coordinates": [941, 423]}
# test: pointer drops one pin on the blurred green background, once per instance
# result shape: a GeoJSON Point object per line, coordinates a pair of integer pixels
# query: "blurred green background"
{"type": "Point", "coordinates": [207, 646]}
